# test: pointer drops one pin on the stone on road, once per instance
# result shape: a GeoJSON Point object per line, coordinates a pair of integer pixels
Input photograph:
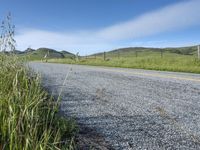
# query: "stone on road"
{"type": "Point", "coordinates": [130, 108]}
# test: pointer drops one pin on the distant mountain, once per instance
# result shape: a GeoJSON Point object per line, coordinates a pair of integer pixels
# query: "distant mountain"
{"type": "Point", "coordinates": [67, 54]}
{"type": "Point", "coordinates": [51, 53]}
{"type": "Point", "coordinates": [131, 50]}
{"type": "Point", "coordinates": [128, 51]}
{"type": "Point", "coordinates": [18, 52]}
{"type": "Point", "coordinates": [15, 52]}
{"type": "Point", "coordinates": [183, 50]}
{"type": "Point", "coordinates": [41, 52]}
{"type": "Point", "coordinates": [29, 50]}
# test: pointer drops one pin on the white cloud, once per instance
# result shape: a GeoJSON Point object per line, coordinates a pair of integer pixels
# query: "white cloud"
{"type": "Point", "coordinates": [80, 41]}
{"type": "Point", "coordinates": [169, 18]}
{"type": "Point", "coordinates": [173, 17]}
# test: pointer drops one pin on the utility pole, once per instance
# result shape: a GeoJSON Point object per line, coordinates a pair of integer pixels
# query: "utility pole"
{"type": "Point", "coordinates": [198, 47]}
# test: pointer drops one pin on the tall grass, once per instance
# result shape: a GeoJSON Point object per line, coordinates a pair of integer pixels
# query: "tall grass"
{"type": "Point", "coordinates": [28, 116]}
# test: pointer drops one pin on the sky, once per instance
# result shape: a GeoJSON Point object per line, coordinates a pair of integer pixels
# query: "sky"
{"type": "Point", "coordinates": [90, 26]}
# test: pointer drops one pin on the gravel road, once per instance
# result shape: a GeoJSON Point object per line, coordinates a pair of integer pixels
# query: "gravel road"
{"type": "Point", "coordinates": [129, 108]}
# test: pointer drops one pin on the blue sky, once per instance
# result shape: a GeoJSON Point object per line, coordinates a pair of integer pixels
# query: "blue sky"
{"type": "Point", "coordinates": [89, 26]}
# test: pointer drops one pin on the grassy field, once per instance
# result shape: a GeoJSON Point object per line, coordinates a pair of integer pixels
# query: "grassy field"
{"type": "Point", "coordinates": [151, 60]}
{"type": "Point", "coordinates": [28, 116]}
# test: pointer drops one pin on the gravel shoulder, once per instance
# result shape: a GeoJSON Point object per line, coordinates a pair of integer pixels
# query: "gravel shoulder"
{"type": "Point", "coordinates": [129, 108]}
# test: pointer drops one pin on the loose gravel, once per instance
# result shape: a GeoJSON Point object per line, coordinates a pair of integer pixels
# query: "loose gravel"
{"type": "Point", "coordinates": [130, 108]}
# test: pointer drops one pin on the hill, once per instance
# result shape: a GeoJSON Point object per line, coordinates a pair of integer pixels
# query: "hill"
{"type": "Point", "coordinates": [129, 51]}
{"type": "Point", "coordinates": [17, 52]}
{"type": "Point", "coordinates": [67, 54]}
{"type": "Point", "coordinates": [29, 50]}
{"type": "Point", "coordinates": [41, 52]}
{"type": "Point", "coordinates": [183, 50]}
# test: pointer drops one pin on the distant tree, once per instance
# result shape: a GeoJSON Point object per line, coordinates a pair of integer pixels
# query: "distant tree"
{"type": "Point", "coordinates": [7, 41]}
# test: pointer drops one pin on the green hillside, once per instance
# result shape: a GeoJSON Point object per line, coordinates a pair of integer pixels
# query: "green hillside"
{"type": "Point", "coordinates": [29, 50]}
{"type": "Point", "coordinates": [67, 54]}
{"type": "Point", "coordinates": [135, 51]}
{"type": "Point", "coordinates": [39, 54]}
{"type": "Point", "coordinates": [17, 52]}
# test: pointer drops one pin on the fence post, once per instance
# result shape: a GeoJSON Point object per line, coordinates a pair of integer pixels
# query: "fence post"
{"type": "Point", "coordinates": [198, 47]}
{"type": "Point", "coordinates": [161, 53]}
{"type": "Point", "coordinates": [104, 56]}
{"type": "Point", "coordinates": [136, 54]}
{"type": "Point", "coordinates": [118, 54]}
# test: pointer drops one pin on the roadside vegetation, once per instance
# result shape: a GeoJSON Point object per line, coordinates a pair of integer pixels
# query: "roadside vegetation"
{"type": "Point", "coordinates": [152, 60]}
{"type": "Point", "coordinates": [28, 116]}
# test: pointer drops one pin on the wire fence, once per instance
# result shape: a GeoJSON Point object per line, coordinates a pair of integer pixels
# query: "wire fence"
{"type": "Point", "coordinates": [155, 53]}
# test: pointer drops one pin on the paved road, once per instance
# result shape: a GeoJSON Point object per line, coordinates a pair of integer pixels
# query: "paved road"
{"type": "Point", "coordinates": [130, 108]}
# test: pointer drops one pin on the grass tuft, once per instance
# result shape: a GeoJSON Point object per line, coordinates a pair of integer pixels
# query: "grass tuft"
{"type": "Point", "coordinates": [28, 116]}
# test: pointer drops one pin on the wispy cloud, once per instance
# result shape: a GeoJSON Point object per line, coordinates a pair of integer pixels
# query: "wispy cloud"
{"type": "Point", "coordinates": [170, 18]}
{"type": "Point", "coordinates": [79, 41]}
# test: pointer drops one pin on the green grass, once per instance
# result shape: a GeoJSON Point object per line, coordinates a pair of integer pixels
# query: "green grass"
{"type": "Point", "coordinates": [144, 60]}
{"type": "Point", "coordinates": [28, 116]}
